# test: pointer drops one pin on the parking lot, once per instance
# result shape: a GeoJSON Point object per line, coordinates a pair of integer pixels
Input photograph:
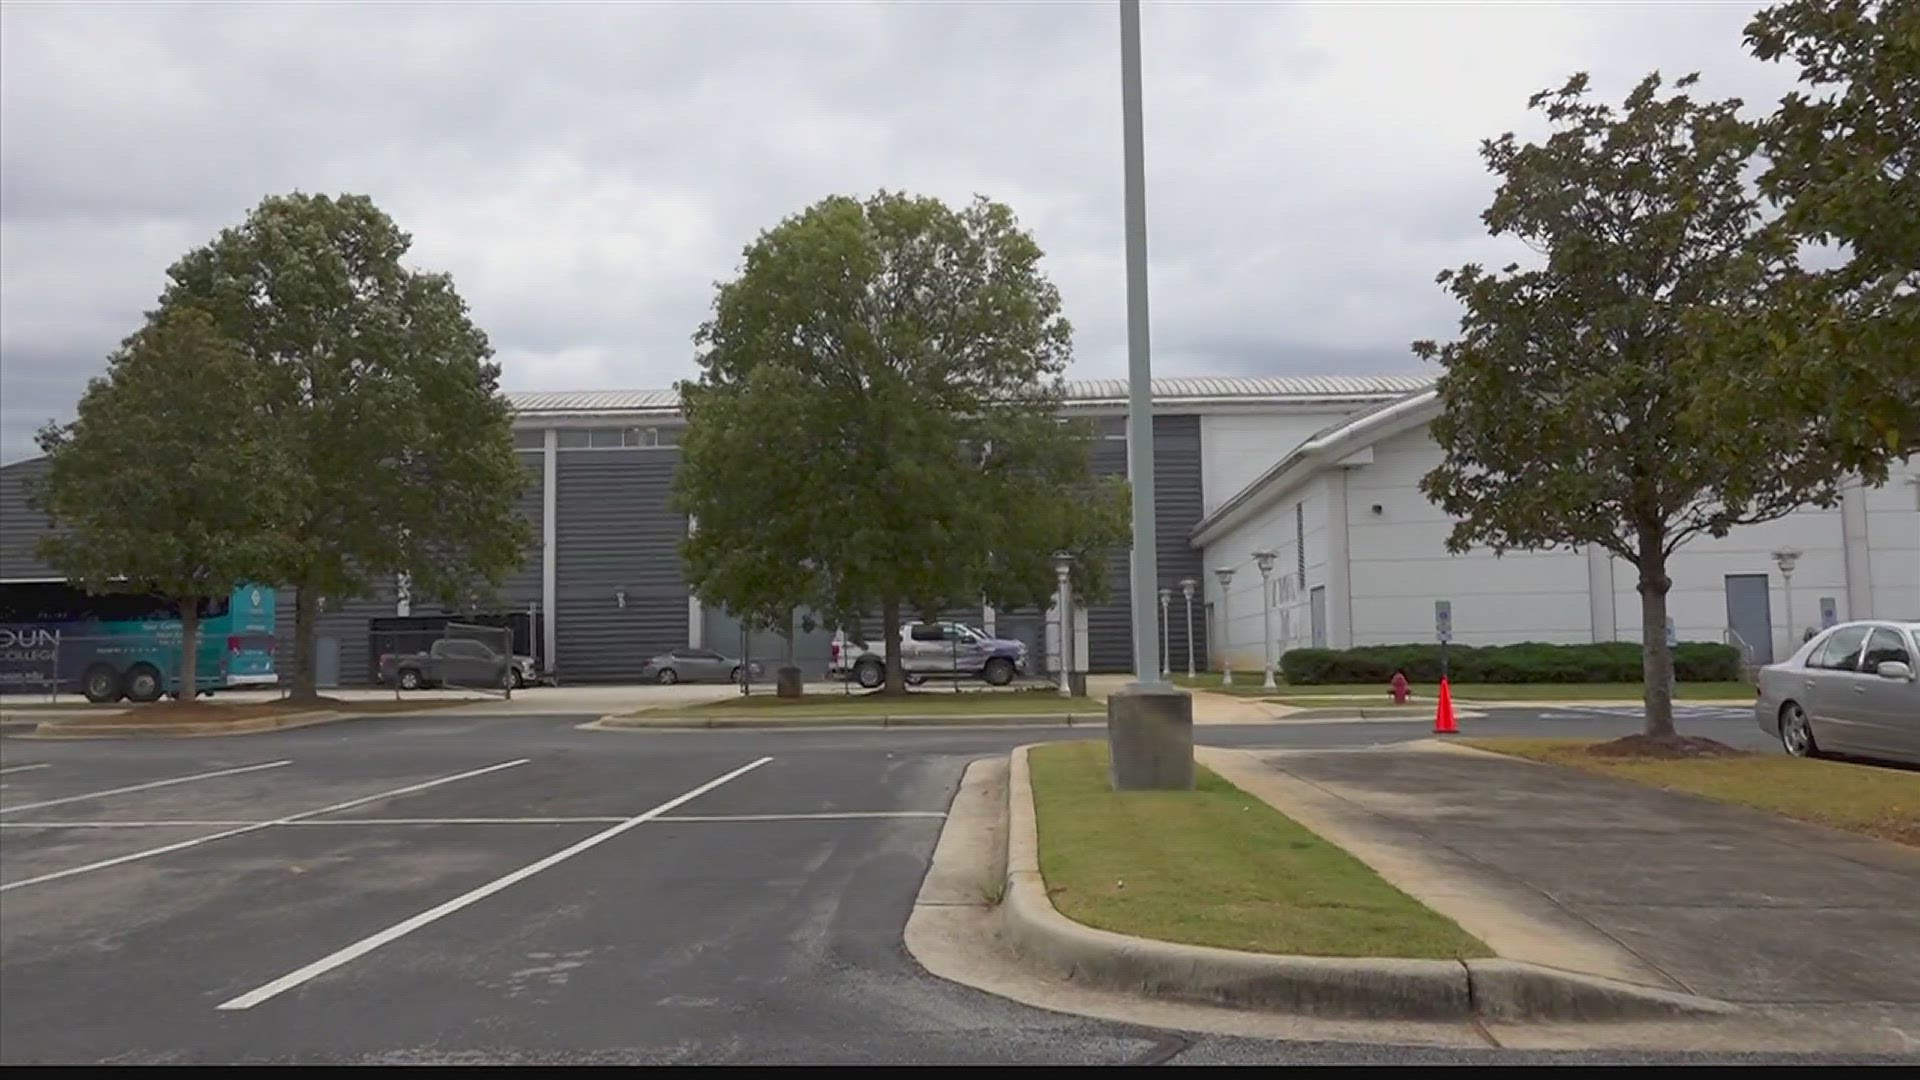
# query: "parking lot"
{"type": "Point", "coordinates": [460, 888]}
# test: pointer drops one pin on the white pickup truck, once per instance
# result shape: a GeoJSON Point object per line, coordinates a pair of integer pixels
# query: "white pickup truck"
{"type": "Point", "coordinates": [931, 650]}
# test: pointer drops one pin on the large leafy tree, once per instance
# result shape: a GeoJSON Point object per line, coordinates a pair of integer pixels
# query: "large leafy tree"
{"type": "Point", "coordinates": [877, 426]}
{"type": "Point", "coordinates": [383, 392]}
{"type": "Point", "coordinates": [169, 479]}
{"type": "Point", "coordinates": [1583, 403]}
{"type": "Point", "coordinates": [1842, 342]}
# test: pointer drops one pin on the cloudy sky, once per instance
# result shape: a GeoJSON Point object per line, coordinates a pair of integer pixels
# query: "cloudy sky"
{"type": "Point", "coordinates": [587, 171]}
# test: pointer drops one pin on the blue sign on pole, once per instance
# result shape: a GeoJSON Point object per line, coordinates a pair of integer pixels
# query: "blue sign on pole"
{"type": "Point", "coordinates": [1443, 620]}
{"type": "Point", "coordinates": [1829, 612]}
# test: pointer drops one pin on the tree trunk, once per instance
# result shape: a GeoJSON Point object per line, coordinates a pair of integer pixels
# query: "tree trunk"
{"type": "Point", "coordinates": [890, 630]}
{"type": "Point", "coordinates": [306, 626]}
{"type": "Point", "coordinates": [1656, 657]}
{"type": "Point", "coordinates": [189, 666]}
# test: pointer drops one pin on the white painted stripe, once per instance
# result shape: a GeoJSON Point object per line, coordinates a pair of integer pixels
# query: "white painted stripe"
{"type": "Point", "coordinates": [11, 769]}
{"type": "Point", "coordinates": [401, 929]}
{"type": "Point", "coordinates": [255, 826]}
{"type": "Point", "coordinates": [850, 815]}
{"type": "Point", "coordinates": [149, 786]}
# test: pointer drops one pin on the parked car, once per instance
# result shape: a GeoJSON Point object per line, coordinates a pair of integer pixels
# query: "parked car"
{"type": "Point", "coordinates": [454, 662]}
{"type": "Point", "coordinates": [932, 650]}
{"type": "Point", "coordinates": [1853, 689]}
{"type": "Point", "coordinates": [696, 665]}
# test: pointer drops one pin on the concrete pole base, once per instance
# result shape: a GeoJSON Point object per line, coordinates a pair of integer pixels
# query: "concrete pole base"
{"type": "Point", "coordinates": [1150, 737]}
{"type": "Point", "coordinates": [787, 682]}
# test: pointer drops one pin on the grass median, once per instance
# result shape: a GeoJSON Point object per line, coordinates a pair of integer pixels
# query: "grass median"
{"type": "Point", "coordinates": [1843, 795]}
{"type": "Point", "coordinates": [1215, 866]}
{"type": "Point", "coordinates": [1249, 685]}
{"type": "Point", "coordinates": [861, 703]}
{"type": "Point", "coordinates": [207, 712]}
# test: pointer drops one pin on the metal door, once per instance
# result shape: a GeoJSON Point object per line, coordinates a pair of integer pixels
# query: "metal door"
{"type": "Point", "coordinates": [326, 661]}
{"type": "Point", "coordinates": [1317, 604]}
{"type": "Point", "coordinates": [1750, 614]}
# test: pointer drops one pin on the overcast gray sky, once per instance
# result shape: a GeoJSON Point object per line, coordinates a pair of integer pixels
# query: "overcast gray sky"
{"type": "Point", "coordinates": [586, 172]}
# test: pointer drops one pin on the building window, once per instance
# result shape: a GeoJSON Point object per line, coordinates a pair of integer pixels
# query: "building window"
{"type": "Point", "coordinates": [529, 439]}
{"type": "Point", "coordinates": [575, 438]}
{"type": "Point", "coordinates": [606, 438]}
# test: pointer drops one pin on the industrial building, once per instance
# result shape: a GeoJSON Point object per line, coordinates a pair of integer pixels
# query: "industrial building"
{"type": "Point", "coordinates": [1322, 471]}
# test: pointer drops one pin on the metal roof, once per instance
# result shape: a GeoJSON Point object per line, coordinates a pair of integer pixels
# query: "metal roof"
{"type": "Point", "coordinates": [1283, 388]}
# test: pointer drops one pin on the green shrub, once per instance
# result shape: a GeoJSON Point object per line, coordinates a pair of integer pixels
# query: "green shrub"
{"type": "Point", "coordinates": [1526, 662]}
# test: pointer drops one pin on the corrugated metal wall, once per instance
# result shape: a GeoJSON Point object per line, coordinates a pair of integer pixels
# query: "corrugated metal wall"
{"type": "Point", "coordinates": [1178, 507]}
{"type": "Point", "coordinates": [616, 533]}
{"type": "Point", "coordinates": [347, 620]}
{"type": "Point", "coordinates": [21, 526]}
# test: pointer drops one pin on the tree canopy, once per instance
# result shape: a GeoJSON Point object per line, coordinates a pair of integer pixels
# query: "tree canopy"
{"type": "Point", "coordinates": [1840, 342]}
{"type": "Point", "coordinates": [877, 424]}
{"type": "Point", "coordinates": [1582, 403]}
{"type": "Point", "coordinates": [384, 395]}
{"type": "Point", "coordinates": [169, 479]}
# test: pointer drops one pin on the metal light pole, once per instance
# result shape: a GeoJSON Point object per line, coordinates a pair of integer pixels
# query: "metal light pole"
{"type": "Point", "coordinates": [1146, 650]}
{"type": "Point", "coordinates": [1186, 590]}
{"type": "Point", "coordinates": [1785, 559]}
{"type": "Point", "coordinates": [1225, 574]}
{"type": "Point", "coordinates": [1149, 722]}
{"type": "Point", "coordinates": [1063, 600]}
{"type": "Point", "coordinates": [1264, 558]}
{"type": "Point", "coordinates": [1166, 639]}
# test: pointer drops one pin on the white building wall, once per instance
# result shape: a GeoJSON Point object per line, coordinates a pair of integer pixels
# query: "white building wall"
{"type": "Point", "coordinates": [1235, 448]}
{"type": "Point", "coordinates": [1401, 565]}
{"type": "Point", "coordinates": [1243, 638]}
{"type": "Point", "coordinates": [1893, 541]}
{"type": "Point", "coordinates": [1697, 603]}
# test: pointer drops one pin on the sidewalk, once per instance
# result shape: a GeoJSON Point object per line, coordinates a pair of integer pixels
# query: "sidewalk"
{"type": "Point", "coordinates": [1702, 897]}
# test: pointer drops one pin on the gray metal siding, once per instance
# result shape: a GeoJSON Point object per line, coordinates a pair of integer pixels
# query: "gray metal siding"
{"type": "Point", "coordinates": [615, 531]}
{"type": "Point", "coordinates": [1178, 507]}
{"type": "Point", "coordinates": [522, 586]}
{"type": "Point", "coordinates": [343, 619]}
{"type": "Point", "coordinates": [21, 526]}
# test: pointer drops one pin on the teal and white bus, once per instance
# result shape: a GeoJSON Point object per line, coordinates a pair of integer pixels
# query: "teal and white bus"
{"type": "Point", "coordinates": [55, 636]}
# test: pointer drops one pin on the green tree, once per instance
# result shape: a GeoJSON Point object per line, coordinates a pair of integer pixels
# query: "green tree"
{"type": "Point", "coordinates": [1581, 403]}
{"type": "Point", "coordinates": [877, 423]}
{"type": "Point", "coordinates": [384, 394]}
{"type": "Point", "coordinates": [1843, 342]}
{"type": "Point", "coordinates": [169, 479]}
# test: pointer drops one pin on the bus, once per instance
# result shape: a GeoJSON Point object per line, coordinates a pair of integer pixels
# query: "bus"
{"type": "Point", "coordinates": [56, 636]}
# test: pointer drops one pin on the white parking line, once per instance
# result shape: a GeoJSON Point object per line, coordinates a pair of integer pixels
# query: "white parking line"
{"type": "Point", "coordinates": [836, 815]}
{"type": "Point", "coordinates": [288, 820]}
{"type": "Point", "coordinates": [149, 786]}
{"type": "Point", "coordinates": [11, 769]}
{"type": "Point", "coordinates": [401, 929]}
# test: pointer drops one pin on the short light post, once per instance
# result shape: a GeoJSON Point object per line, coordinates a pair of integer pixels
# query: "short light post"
{"type": "Point", "coordinates": [1785, 559]}
{"type": "Point", "coordinates": [1225, 574]}
{"type": "Point", "coordinates": [1063, 599]}
{"type": "Point", "coordinates": [1186, 590]}
{"type": "Point", "coordinates": [1166, 643]}
{"type": "Point", "coordinates": [1265, 560]}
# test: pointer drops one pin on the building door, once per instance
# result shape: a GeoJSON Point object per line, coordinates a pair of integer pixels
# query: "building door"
{"type": "Point", "coordinates": [326, 662]}
{"type": "Point", "coordinates": [1317, 603]}
{"type": "Point", "coordinates": [1750, 615]}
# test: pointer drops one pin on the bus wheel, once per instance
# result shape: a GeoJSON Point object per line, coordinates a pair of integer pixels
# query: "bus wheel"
{"type": "Point", "coordinates": [102, 684]}
{"type": "Point", "coordinates": [143, 683]}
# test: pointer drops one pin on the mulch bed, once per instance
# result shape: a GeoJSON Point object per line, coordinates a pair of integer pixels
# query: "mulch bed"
{"type": "Point", "coordinates": [1673, 747]}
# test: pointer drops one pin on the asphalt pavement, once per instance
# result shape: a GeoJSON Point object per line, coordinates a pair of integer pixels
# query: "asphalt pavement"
{"type": "Point", "coordinates": [456, 889]}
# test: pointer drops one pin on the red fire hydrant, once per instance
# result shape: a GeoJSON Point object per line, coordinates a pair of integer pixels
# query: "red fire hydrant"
{"type": "Point", "coordinates": [1399, 687]}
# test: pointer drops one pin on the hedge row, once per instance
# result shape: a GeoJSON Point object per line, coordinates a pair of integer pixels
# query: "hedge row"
{"type": "Point", "coordinates": [1528, 662]}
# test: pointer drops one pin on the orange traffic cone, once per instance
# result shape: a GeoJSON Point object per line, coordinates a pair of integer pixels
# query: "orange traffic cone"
{"type": "Point", "coordinates": [1443, 717]}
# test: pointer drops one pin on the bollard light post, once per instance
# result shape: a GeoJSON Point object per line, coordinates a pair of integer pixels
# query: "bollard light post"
{"type": "Point", "coordinates": [1225, 574]}
{"type": "Point", "coordinates": [1265, 559]}
{"type": "Point", "coordinates": [1186, 590]}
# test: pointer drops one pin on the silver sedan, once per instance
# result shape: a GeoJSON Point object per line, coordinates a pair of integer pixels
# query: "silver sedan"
{"type": "Point", "coordinates": [1851, 690]}
{"type": "Point", "coordinates": [695, 665]}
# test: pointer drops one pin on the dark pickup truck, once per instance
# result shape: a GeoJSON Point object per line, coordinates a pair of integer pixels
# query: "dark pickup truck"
{"type": "Point", "coordinates": [455, 662]}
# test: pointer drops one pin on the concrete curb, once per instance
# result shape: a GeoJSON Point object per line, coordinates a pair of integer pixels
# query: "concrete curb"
{"type": "Point", "coordinates": [56, 729]}
{"type": "Point", "coordinates": [703, 723]}
{"type": "Point", "coordinates": [1380, 989]}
